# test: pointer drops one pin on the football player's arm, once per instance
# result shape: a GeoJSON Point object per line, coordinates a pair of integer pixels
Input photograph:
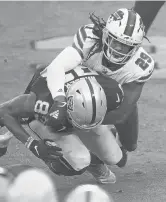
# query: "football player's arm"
{"type": "Point", "coordinates": [11, 111]}
{"type": "Point", "coordinates": [132, 92]}
{"type": "Point", "coordinates": [67, 60]}
{"type": "Point", "coordinates": [13, 125]}
{"type": "Point", "coordinates": [22, 106]}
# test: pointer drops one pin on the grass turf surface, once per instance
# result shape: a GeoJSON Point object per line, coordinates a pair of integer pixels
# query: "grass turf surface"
{"type": "Point", "coordinates": [143, 179]}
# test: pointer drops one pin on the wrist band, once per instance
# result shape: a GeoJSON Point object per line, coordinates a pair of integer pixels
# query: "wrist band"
{"type": "Point", "coordinates": [28, 142]}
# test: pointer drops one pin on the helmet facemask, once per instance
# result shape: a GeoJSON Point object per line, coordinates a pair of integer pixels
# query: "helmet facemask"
{"type": "Point", "coordinates": [83, 126]}
{"type": "Point", "coordinates": [116, 50]}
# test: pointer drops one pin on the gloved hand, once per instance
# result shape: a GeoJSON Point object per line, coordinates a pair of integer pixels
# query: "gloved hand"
{"type": "Point", "coordinates": [56, 116]}
{"type": "Point", "coordinates": [45, 149]}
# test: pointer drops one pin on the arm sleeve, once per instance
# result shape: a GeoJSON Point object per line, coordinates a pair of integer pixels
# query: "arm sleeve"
{"type": "Point", "coordinates": [68, 59]}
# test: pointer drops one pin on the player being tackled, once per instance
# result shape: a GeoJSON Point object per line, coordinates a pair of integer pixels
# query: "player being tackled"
{"type": "Point", "coordinates": [114, 49]}
{"type": "Point", "coordinates": [88, 98]}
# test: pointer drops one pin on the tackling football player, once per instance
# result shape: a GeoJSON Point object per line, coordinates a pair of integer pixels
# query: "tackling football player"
{"type": "Point", "coordinates": [114, 49]}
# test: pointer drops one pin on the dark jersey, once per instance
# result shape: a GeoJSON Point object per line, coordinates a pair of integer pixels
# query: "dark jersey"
{"type": "Point", "coordinates": [44, 101]}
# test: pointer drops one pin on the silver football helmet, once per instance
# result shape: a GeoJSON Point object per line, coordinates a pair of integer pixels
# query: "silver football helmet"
{"type": "Point", "coordinates": [86, 103]}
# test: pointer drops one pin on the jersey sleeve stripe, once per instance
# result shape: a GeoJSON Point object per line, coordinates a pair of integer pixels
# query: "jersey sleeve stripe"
{"type": "Point", "coordinates": [145, 78]}
{"type": "Point", "coordinates": [79, 40]}
{"type": "Point", "coordinates": [81, 37]}
{"type": "Point", "coordinates": [78, 50]}
{"type": "Point", "coordinates": [83, 33]}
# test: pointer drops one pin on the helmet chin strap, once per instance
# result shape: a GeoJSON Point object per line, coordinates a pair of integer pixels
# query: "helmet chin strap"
{"type": "Point", "coordinates": [114, 59]}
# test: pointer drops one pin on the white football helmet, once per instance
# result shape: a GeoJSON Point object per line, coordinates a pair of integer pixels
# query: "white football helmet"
{"type": "Point", "coordinates": [86, 103]}
{"type": "Point", "coordinates": [122, 35]}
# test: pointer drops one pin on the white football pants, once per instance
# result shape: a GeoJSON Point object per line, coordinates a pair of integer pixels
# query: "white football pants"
{"type": "Point", "coordinates": [76, 145]}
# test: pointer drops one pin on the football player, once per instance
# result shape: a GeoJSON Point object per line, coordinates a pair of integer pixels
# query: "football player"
{"type": "Point", "coordinates": [88, 97]}
{"type": "Point", "coordinates": [114, 49]}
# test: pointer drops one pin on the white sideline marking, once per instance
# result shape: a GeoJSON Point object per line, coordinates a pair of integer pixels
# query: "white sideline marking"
{"type": "Point", "coordinates": [52, 43]}
{"type": "Point", "coordinates": [158, 41]}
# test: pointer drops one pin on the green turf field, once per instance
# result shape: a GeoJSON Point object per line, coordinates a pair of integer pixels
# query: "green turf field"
{"type": "Point", "coordinates": [144, 178]}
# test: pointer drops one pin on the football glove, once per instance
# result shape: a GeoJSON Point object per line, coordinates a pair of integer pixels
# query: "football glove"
{"type": "Point", "coordinates": [56, 116]}
{"type": "Point", "coordinates": [45, 149]}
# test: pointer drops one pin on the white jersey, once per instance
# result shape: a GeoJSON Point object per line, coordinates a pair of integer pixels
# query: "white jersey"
{"type": "Point", "coordinates": [139, 68]}
{"type": "Point", "coordinates": [87, 50]}
{"type": "Point", "coordinates": [131, 71]}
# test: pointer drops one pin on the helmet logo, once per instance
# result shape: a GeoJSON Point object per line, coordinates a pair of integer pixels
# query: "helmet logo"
{"type": "Point", "coordinates": [70, 103]}
{"type": "Point", "coordinates": [116, 16]}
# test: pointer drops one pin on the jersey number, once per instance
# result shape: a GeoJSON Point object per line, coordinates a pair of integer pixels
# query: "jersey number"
{"type": "Point", "coordinates": [143, 61]}
{"type": "Point", "coordinates": [41, 107]}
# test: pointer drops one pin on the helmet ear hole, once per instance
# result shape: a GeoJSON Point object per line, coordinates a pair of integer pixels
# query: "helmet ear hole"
{"type": "Point", "coordinates": [78, 91]}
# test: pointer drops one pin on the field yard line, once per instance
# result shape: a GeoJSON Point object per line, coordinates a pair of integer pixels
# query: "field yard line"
{"type": "Point", "coordinates": [156, 47]}
{"type": "Point", "coordinates": [52, 43]}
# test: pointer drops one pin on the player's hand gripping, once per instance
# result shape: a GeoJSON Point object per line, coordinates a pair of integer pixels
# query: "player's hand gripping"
{"type": "Point", "coordinates": [45, 149]}
{"type": "Point", "coordinates": [56, 116]}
